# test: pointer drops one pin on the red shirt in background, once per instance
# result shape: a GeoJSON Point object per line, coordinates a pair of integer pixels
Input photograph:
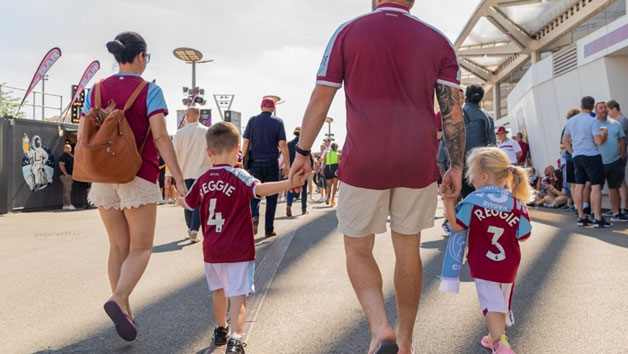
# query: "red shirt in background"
{"type": "Point", "coordinates": [525, 150]}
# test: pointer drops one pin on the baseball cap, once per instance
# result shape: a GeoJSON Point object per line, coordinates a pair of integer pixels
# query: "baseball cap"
{"type": "Point", "coordinates": [502, 130]}
{"type": "Point", "coordinates": [268, 103]}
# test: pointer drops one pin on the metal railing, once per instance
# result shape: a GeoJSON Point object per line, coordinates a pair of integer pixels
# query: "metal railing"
{"type": "Point", "coordinates": [31, 101]}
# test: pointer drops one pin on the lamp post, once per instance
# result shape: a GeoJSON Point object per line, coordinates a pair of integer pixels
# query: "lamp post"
{"type": "Point", "coordinates": [329, 120]}
{"type": "Point", "coordinates": [190, 56]}
{"type": "Point", "coordinates": [43, 97]}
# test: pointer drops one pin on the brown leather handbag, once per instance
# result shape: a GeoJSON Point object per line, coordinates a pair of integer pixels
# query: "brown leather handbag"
{"type": "Point", "coordinates": [106, 151]}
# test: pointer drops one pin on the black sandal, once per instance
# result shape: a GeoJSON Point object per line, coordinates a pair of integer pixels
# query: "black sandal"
{"type": "Point", "coordinates": [123, 323]}
{"type": "Point", "coordinates": [386, 347]}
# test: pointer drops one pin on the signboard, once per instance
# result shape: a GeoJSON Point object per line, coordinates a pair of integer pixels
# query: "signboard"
{"type": "Point", "coordinates": [235, 118]}
{"type": "Point", "coordinates": [77, 106]}
{"type": "Point", "coordinates": [206, 117]}
{"type": "Point", "coordinates": [78, 91]}
{"type": "Point", "coordinates": [180, 117]}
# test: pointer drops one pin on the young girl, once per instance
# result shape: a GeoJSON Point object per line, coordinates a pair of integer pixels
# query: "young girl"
{"type": "Point", "coordinates": [496, 219]}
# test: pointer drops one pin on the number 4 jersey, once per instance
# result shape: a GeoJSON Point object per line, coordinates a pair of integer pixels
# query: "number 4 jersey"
{"type": "Point", "coordinates": [493, 239]}
{"type": "Point", "coordinates": [224, 195]}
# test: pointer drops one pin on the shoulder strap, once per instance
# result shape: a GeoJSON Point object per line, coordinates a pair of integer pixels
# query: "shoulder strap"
{"type": "Point", "coordinates": [141, 149]}
{"type": "Point", "coordinates": [136, 93]}
{"type": "Point", "coordinates": [97, 96]}
{"type": "Point", "coordinates": [129, 104]}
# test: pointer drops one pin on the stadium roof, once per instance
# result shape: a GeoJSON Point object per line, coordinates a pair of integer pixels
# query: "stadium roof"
{"type": "Point", "coordinates": [502, 35]}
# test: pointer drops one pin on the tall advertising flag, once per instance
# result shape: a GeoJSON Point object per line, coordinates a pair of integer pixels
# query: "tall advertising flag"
{"type": "Point", "coordinates": [87, 77]}
{"type": "Point", "coordinates": [53, 55]}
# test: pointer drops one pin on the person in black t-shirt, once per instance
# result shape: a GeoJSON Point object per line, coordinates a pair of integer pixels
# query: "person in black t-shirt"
{"type": "Point", "coordinates": [66, 165]}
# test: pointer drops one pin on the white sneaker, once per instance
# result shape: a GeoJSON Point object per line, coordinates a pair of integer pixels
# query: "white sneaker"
{"type": "Point", "coordinates": [194, 237]}
{"type": "Point", "coordinates": [65, 207]}
{"type": "Point", "coordinates": [71, 207]}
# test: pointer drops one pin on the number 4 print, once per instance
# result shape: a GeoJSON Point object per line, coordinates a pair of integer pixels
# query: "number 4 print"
{"type": "Point", "coordinates": [497, 233]}
{"type": "Point", "coordinates": [215, 219]}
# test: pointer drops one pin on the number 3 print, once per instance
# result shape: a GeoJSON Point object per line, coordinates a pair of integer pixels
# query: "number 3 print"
{"type": "Point", "coordinates": [497, 233]}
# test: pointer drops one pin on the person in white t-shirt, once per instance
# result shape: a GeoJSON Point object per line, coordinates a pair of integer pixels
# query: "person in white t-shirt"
{"type": "Point", "coordinates": [189, 145]}
{"type": "Point", "coordinates": [509, 146]}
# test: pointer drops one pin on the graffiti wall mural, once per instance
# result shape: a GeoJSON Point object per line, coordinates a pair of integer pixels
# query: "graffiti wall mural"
{"type": "Point", "coordinates": [38, 165]}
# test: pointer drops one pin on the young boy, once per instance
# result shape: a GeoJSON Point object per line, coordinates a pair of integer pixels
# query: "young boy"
{"type": "Point", "coordinates": [223, 194]}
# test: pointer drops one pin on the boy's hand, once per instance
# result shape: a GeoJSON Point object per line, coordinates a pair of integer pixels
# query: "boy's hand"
{"type": "Point", "coordinates": [296, 179]}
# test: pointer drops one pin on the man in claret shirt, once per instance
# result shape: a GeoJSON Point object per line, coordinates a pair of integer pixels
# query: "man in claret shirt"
{"type": "Point", "coordinates": [391, 64]}
{"type": "Point", "coordinates": [223, 194]}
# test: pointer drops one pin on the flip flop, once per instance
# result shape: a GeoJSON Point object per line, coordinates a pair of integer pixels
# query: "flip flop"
{"type": "Point", "coordinates": [124, 326]}
{"type": "Point", "coordinates": [386, 347]}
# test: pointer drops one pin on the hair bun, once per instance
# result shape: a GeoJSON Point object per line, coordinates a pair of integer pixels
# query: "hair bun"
{"type": "Point", "coordinates": [116, 47]}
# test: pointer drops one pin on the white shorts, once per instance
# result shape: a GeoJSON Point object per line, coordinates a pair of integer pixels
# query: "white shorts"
{"type": "Point", "coordinates": [494, 297]}
{"type": "Point", "coordinates": [363, 212]}
{"type": "Point", "coordinates": [235, 278]}
{"type": "Point", "coordinates": [134, 194]}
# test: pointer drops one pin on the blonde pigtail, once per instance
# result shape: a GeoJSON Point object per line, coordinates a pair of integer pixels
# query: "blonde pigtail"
{"type": "Point", "coordinates": [520, 188]}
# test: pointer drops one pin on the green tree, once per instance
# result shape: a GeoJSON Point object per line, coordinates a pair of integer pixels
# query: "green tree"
{"type": "Point", "coordinates": [8, 103]}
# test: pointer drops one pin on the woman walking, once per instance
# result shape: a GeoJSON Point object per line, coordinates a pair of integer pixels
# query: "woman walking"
{"type": "Point", "coordinates": [129, 210]}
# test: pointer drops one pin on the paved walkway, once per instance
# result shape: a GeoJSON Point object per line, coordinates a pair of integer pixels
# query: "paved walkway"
{"type": "Point", "coordinates": [571, 295]}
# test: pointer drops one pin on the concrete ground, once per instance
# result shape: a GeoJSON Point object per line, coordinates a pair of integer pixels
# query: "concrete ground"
{"type": "Point", "coordinates": [570, 295]}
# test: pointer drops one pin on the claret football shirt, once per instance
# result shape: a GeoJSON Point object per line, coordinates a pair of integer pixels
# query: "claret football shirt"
{"type": "Point", "coordinates": [390, 63]}
{"type": "Point", "coordinates": [224, 195]}
{"type": "Point", "coordinates": [493, 239]}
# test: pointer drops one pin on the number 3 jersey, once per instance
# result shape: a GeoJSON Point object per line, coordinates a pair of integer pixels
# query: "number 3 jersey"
{"type": "Point", "coordinates": [224, 194]}
{"type": "Point", "coordinates": [493, 237]}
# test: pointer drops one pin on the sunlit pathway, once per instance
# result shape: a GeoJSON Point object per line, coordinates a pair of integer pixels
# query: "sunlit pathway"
{"type": "Point", "coordinates": [570, 296]}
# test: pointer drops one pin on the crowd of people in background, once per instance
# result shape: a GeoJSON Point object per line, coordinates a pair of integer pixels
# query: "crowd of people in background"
{"type": "Point", "coordinates": [592, 156]}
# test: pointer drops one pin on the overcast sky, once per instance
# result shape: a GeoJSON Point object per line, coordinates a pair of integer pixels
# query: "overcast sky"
{"type": "Point", "coordinates": [259, 47]}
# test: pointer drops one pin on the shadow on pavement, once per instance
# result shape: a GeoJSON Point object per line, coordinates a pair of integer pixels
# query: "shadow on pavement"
{"type": "Point", "coordinates": [359, 335]}
{"type": "Point", "coordinates": [169, 324]}
{"type": "Point", "coordinates": [172, 246]}
{"type": "Point", "coordinates": [528, 289]}
{"type": "Point", "coordinates": [616, 235]}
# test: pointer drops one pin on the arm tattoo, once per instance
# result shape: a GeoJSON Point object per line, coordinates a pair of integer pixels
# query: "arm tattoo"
{"type": "Point", "coordinates": [453, 125]}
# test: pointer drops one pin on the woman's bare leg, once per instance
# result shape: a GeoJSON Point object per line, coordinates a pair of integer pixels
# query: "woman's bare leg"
{"type": "Point", "coordinates": [141, 222]}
